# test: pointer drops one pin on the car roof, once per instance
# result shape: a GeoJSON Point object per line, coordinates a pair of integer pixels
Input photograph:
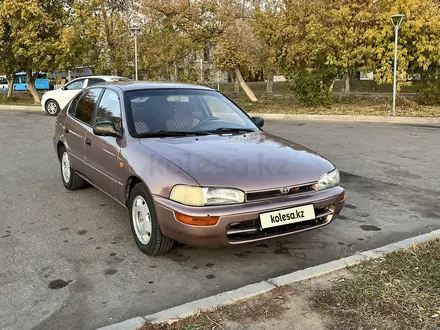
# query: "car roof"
{"type": "Point", "coordinates": [101, 77]}
{"type": "Point", "coordinates": [131, 85]}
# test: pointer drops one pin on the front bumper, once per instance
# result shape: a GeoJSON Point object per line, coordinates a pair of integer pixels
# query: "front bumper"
{"type": "Point", "coordinates": [240, 223]}
{"type": "Point", "coordinates": [43, 102]}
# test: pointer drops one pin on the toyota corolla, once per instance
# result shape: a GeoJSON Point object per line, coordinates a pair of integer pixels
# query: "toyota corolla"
{"type": "Point", "coordinates": [191, 166]}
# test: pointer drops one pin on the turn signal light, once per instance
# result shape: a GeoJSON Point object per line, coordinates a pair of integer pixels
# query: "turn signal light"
{"type": "Point", "coordinates": [196, 221]}
{"type": "Point", "coordinates": [342, 196]}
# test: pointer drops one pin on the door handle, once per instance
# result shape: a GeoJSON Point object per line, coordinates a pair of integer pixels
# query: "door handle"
{"type": "Point", "coordinates": [66, 130]}
{"type": "Point", "coordinates": [89, 141]}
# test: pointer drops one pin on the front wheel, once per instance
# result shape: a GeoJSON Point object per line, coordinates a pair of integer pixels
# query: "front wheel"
{"type": "Point", "coordinates": [144, 224]}
{"type": "Point", "coordinates": [52, 107]}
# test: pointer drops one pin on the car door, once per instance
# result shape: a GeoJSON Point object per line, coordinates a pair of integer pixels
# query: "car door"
{"type": "Point", "coordinates": [102, 152]}
{"type": "Point", "coordinates": [69, 91]}
{"type": "Point", "coordinates": [76, 126]}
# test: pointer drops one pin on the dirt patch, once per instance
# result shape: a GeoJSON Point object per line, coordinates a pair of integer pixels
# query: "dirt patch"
{"type": "Point", "coordinates": [400, 291]}
{"type": "Point", "coordinates": [284, 308]}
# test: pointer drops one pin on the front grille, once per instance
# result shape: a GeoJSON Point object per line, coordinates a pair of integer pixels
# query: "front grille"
{"type": "Point", "coordinates": [251, 230]}
{"type": "Point", "coordinates": [253, 196]}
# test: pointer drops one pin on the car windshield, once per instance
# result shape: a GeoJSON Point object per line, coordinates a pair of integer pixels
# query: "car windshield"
{"type": "Point", "coordinates": [177, 112]}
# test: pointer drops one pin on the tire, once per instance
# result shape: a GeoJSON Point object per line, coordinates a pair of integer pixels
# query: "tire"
{"type": "Point", "coordinates": [71, 180]}
{"type": "Point", "coordinates": [144, 223]}
{"type": "Point", "coordinates": [52, 107]}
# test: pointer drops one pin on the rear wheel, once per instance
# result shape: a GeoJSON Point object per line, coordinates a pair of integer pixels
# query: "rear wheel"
{"type": "Point", "coordinates": [71, 180]}
{"type": "Point", "coordinates": [144, 224]}
{"type": "Point", "coordinates": [52, 107]}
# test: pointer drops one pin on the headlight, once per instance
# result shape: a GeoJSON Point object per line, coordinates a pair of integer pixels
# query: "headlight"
{"type": "Point", "coordinates": [198, 196]}
{"type": "Point", "coordinates": [329, 180]}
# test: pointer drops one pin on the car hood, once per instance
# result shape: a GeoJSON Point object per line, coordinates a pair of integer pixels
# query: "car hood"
{"type": "Point", "coordinates": [253, 161]}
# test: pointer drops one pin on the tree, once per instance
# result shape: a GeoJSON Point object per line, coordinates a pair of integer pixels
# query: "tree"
{"type": "Point", "coordinates": [35, 27]}
{"type": "Point", "coordinates": [352, 23]}
{"type": "Point", "coordinates": [166, 48]}
{"type": "Point", "coordinates": [211, 24]}
{"type": "Point", "coordinates": [78, 39]}
{"type": "Point", "coordinates": [306, 48]}
{"type": "Point", "coordinates": [109, 25]}
{"type": "Point", "coordinates": [8, 62]}
{"type": "Point", "coordinates": [266, 24]}
{"type": "Point", "coordinates": [238, 47]}
{"type": "Point", "coordinates": [419, 40]}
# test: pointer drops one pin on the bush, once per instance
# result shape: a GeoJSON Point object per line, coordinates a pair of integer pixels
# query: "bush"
{"type": "Point", "coordinates": [429, 92]}
{"type": "Point", "coordinates": [312, 88]}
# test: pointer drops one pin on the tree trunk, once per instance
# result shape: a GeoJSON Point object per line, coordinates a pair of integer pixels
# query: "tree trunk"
{"type": "Point", "coordinates": [30, 81]}
{"type": "Point", "coordinates": [11, 85]}
{"type": "Point", "coordinates": [243, 85]}
{"type": "Point", "coordinates": [347, 83]}
{"type": "Point", "coordinates": [236, 84]}
{"type": "Point", "coordinates": [342, 88]}
{"type": "Point", "coordinates": [330, 90]}
{"type": "Point", "coordinates": [269, 89]}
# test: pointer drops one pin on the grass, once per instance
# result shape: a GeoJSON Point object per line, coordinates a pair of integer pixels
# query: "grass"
{"type": "Point", "coordinates": [285, 103]}
{"type": "Point", "coordinates": [357, 86]}
{"type": "Point", "coordinates": [18, 98]}
{"type": "Point", "coordinates": [268, 305]}
{"type": "Point", "coordinates": [354, 105]}
{"type": "Point", "coordinates": [400, 291]}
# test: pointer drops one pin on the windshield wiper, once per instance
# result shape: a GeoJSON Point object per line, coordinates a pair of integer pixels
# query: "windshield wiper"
{"type": "Point", "coordinates": [231, 130]}
{"type": "Point", "coordinates": [164, 133]}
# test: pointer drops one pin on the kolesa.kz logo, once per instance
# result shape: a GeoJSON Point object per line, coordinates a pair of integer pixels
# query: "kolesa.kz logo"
{"type": "Point", "coordinates": [286, 217]}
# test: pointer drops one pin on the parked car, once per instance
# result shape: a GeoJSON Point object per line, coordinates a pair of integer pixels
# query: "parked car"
{"type": "Point", "coordinates": [4, 85]}
{"type": "Point", "coordinates": [53, 101]}
{"type": "Point", "coordinates": [191, 166]}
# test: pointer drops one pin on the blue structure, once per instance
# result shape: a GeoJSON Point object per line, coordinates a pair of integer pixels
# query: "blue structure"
{"type": "Point", "coordinates": [41, 83]}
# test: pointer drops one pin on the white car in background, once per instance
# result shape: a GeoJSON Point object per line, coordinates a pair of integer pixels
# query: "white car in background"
{"type": "Point", "coordinates": [53, 101]}
{"type": "Point", "coordinates": [3, 83]}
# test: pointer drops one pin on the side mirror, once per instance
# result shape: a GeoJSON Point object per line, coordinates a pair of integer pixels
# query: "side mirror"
{"type": "Point", "coordinates": [106, 128]}
{"type": "Point", "coordinates": [259, 121]}
{"type": "Point", "coordinates": [63, 88]}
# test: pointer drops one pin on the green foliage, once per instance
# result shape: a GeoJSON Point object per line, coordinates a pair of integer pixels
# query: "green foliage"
{"type": "Point", "coordinates": [419, 39]}
{"type": "Point", "coordinates": [238, 47]}
{"type": "Point", "coordinates": [312, 88]}
{"type": "Point", "coordinates": [429, 90]}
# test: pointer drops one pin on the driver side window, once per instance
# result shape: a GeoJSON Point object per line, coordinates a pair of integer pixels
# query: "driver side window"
{"type": "Point", "coordinates": [109, 109]}
{"type": "Point", "coordinates": [75, 85]}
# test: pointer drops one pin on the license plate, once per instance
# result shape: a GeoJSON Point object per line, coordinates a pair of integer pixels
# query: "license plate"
{"type": "Point", "coordinates": [287, 216]}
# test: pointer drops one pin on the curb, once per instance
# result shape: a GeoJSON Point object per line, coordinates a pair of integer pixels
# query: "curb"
{"type": "Point", "coordinates": [248, 291]}
{"type": "Point", "coordinates": [349, 118]}
{"type": "Point", "coordinates": [20, 107]}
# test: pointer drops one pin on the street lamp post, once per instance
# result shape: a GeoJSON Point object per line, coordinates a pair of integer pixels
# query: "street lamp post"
{"type": "Point", "coordinates": [135, 29]}
{"type": "Point", "coordinates": [397, 21]}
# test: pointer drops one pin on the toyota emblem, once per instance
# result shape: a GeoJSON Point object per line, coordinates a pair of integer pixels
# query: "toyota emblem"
{"type": "Point", "coordinates": [284, 191]}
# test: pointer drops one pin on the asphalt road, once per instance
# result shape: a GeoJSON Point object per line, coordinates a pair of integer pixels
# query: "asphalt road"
{"type": "Point", "coordinates": [68, 260]}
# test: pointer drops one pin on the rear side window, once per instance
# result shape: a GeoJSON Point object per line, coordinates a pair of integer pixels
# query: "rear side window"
{"type": "Point", "coordinates": [86, 105]}
{"type": "Point", "coordinates": [78, 84]}
{"type": "Point", "coordinates": [109, 109]}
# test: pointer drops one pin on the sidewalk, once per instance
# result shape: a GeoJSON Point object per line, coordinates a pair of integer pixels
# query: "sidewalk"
{"type": "Point", "coordinates": [348, 118]}
{"type": "Point", "coordinates": [387, 286]}
{"type": "Point", "coordinates": [20, 107]}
